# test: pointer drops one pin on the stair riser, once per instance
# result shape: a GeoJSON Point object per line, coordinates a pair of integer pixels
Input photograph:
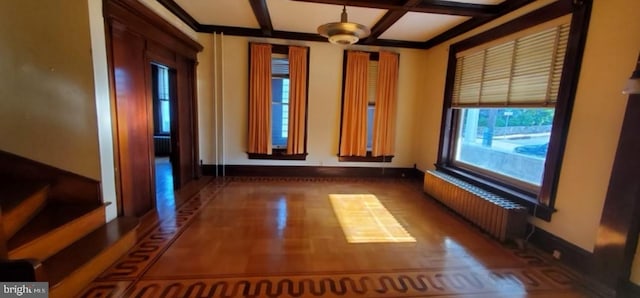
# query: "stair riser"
{"type": "Point", "coordinates": [79, 279]}
{"type": "Point", "coordinates": [13, 220]}
{"type": "Point", "coordinates": [56, 240]}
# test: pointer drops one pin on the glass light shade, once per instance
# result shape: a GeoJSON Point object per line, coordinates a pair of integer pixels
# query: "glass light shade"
{"type": "Point", "coordinates": [343, 39]}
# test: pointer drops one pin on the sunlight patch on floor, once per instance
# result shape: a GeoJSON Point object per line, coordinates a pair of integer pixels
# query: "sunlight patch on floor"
{"type": "Point", "coordinates": [365, 220]}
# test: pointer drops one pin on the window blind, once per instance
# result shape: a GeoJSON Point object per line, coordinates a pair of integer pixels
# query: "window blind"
{"type": "Point", "coordinates": [522, 72]}
{"type": "Point", "coordinates": [280, 66]}
{"type": "Point", "coordinates": [372, 81]}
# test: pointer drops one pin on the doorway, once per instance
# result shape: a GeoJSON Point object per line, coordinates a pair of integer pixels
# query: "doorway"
{"type": "Point", "coordinates": [163, 103]}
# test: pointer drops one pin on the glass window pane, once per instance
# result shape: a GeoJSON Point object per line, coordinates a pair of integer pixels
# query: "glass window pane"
{"type": "Point", "coordinates": [370, 112]}
{"type": "Point", "coordinates": [165, 119]}
{"type": "Point", "coordinates": [279, 112]}
{"type": "Point", "coordinates": [505, 142]}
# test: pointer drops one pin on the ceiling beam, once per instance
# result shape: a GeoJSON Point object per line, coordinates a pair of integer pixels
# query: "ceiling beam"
{"type": "Point", "coordinates": [173, 7]}
{"type": "Point", "coordinates": [426, 6]}
{"type": "Point", "coordinates": [456, 8]}
{"type": "Point", "coordinates": [503, 8]}
{"type": "Point", "coordinates": [389, 18]}
{"type": "Point", "coordinates": [262, 15]}
{"type": "Point", "coordinates": [251, 32]}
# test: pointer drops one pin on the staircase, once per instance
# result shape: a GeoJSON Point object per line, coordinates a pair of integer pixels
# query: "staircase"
{"type": "Point", "coordinates": [53, 227]}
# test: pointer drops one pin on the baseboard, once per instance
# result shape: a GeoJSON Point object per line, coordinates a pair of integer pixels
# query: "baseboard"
{"type": "Point", "coordinates": [570, 255]}
{"type": "Point", "coordinates": [574, 258]}
{"type": "Point", "coordinates": [310, 171]}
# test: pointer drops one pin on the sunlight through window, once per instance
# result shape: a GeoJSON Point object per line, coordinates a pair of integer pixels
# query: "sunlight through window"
{"type": "Point", "coordinates": [365, 220]}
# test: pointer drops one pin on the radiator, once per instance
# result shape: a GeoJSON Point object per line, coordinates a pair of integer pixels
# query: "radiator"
{"type": "Point", "coordinates": [493, 214]}
{"type": "Point", "coordinates": [162, 145]}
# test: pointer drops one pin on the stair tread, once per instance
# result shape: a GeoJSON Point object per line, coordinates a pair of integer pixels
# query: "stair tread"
{"type": "Point", "coordinates": [13, 192]}
{"type": "Point", "coordinates": [65, 262]}
{"type": "Point", "coordinates": [52, 216]}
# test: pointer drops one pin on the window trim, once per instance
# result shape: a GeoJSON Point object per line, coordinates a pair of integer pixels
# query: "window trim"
{"type": "Point", "coordinates": [281, 153]}
{"type": "Point", "coordinates": [581, 12]}
{"type": "Point", "coordinates": [373, 56]}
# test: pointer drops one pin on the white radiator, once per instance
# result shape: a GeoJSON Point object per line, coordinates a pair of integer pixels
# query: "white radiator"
{"type": "Point", "coordinates": [495, 215]}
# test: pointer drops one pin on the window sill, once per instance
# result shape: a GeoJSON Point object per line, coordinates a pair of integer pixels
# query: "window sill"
{"type": "Point", "coordinates": [541, 211]}
{"type": "Point", "coordinates": [278, 154]}
{"type": "Point", "coordinates": [368, 158]}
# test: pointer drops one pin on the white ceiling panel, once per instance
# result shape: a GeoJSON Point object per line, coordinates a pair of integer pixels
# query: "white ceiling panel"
{"type": "Point", "coordinates": [236, 13]}
{"type": "Point", "coordinates": [305, 17]}
{"type": "Point", "coordinates": [415, 26]}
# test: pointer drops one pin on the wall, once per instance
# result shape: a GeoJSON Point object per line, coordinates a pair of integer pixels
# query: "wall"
{"type": "Point", "coordinates": [47, 105]}
{"type": "Point", "coordinates": [612, 47]}
{"type": "Point", "coordinates": [325, 85]}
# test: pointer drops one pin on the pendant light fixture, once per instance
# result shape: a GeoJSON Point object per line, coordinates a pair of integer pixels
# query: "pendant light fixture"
{"type": "Point", "coordinates": [344, 32]}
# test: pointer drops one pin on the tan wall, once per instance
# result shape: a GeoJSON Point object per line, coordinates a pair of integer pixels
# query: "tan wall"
{"type": "Point", "coordinates": [206, 112]}
{"type": "Point", "coordinates": [612, 47]}
{"type": "Point", "coordinates": [47, 104]}
{"type": "Point", "coordinates": [325, 84]}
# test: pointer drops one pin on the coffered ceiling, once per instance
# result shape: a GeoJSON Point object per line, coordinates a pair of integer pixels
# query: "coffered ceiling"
{"type": "Point", "coordinates": [400, 23]}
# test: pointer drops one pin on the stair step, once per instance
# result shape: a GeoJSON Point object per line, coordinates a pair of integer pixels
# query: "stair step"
{"type": "Point", "coordinates": [20, 202]}
{"type": "Point", "coordinates": [73, 268]}
{"type": "Point", "coordinates": [54, 228]}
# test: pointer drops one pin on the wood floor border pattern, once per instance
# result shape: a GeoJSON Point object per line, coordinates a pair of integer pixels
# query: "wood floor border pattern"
{"type": "Point", "coordinates": [392, 284]}
{"type": "Point", "coordinates": [135, 262]}
{"type": "Point", "coordinates": [126, 277]}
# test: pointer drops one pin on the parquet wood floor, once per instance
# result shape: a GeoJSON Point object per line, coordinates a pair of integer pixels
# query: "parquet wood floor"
{"type": "Point", "coordinates": [262, 237]}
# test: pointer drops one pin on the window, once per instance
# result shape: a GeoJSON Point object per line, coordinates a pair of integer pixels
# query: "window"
{"type": "Point", "coordinates": [161, 104]}
{"type": "Point", "coordinates": [509, 144]}
{"type": "Point", "coordinates": [372, 79]}
{"type": "Point", "coordinates": [507, 106]}
{"type": "Point", "coordinates": [277, 102]}
{"type": "Point", "coordinates": [367, 129]}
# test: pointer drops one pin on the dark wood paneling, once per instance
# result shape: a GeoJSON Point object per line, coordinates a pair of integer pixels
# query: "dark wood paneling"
{"type": "Point", "coordinates": [389, 18]}
{"type": "Point", "coordinates": [535, 17]}
{"type": "Point", "coordinates": [456, 8]}
{"type": "Point", "coordinates": [311, 171]}
{"type": "Point", "coordinates": [64, 186]}
{"type": "Point", "coordinates": [505, 8]}
{"type": "Point", "coordinates": [173, 7]}
{"type": "Point", "coordinates": [261, 12]}
{"type": "Point", "coordinates": [134, 162]}
{"type": "Point", "coordinates": [433, 6]}
{"type": "Point", "coordinates": [186, 121]}
{"type": "Point", "coordinates": [619, 225]}
{"type": "Point", "coordinates": [145, 22]}
{"type": "Point", "coordinates": [139, 37]}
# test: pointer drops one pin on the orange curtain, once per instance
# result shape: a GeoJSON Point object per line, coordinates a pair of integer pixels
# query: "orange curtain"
{"type": "Point", "coordinates": [260, 99]}
{"type": "Point", "coordinates": [386, 98]}
{"type": "Point", "coordinates": [353, 141]}
{"type": "Point", "coordinates": [297, 99]}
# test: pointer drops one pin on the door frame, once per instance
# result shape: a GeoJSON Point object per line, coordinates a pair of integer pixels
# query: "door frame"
{"type": "Point", "coordinates": [163, 44]}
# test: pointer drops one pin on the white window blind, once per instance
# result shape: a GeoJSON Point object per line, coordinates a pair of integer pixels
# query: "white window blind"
{"type": "Point", "coordinates": [522, 72]}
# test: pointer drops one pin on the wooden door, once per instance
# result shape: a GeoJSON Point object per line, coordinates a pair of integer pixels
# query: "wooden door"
{"type": "Point", "coordinates": [133, 143]}
{"type": "Point", "coordinates": [186, 131]}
